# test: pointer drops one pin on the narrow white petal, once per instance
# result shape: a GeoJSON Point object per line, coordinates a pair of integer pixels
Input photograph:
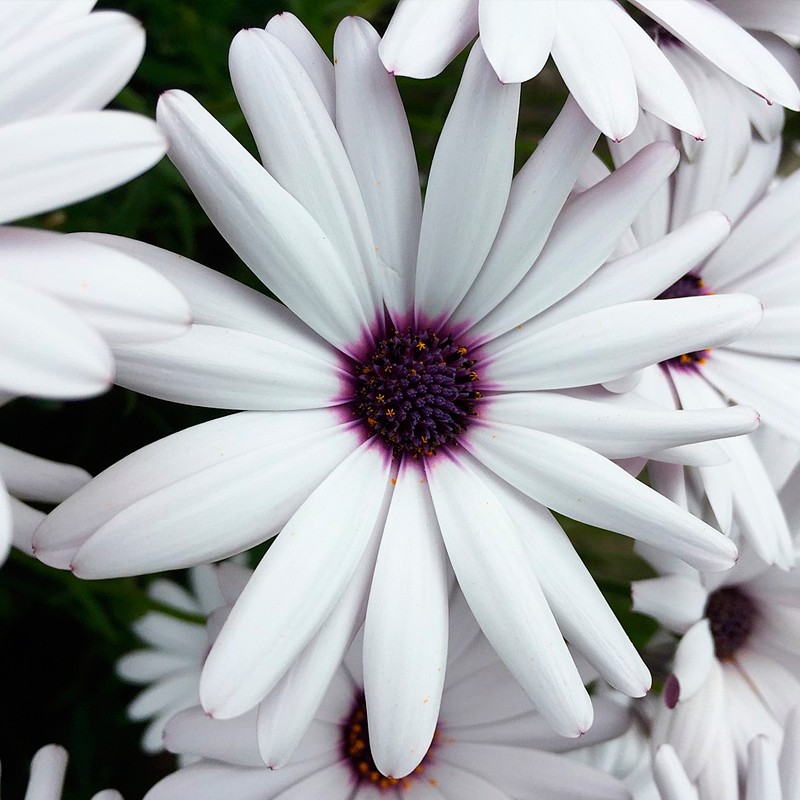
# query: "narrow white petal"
{"type": "Point", "coordinates": [301, 578]}
{"type": "Point", "coordinates": [615, 430]}
{"type": "Point", "coordinates": [717, 37]}
{"type": "Point", "coordinates": [233, 741]}
{"type": "Point", "coordinates": [72, 51]}
{"type": "Point", "coordinates": [789, 762]}
{"type": "Point", "coordinates": [502, 589]}
{"type": "Point", "coordinates": [468, 188]}
{"type": "Point", "coordinates": [288, 28]}
{"type": "Point", "coordinates": [301, 149]}
{"type": "Point", "coordinates": [25, 520]}
{"type": "Point", "coordinates": [6, 522]}
{"type": "Point", "coordinates": [583, 237]}
{"type": "Point", "coordinates": [462, 784]}
{"type": "Point", "coordinates": [595, 66]}
{"type": "Point", "coordinates": [48, 768]}
{"type": "Point", "coordinates": [374, 129]}
{"type": "Point", "coordinates": [693, 661]}
{"type": "Point", "coordinates": [46, 349]}
{"type": "Point", "coordinates": [517, 36]}
{"type": "Point", "coordinates": [405, 634]}
{"type": "Point", "coordinates": [181, 492]}
{"type": "Point", "coordinates": [423, 37]}
{"type": "Point", "coordinates": [676, 601]}
{"type": "Point", "coordinates": [763, 779]}
{"type": "Point", "coordinates": [32, 478]}
{"type": "Point", "coordinates": [19, 18]}
{"type": "Point", "coordinates": [268, 228]}
{"type": "Point", "coordinates": [778, 334]}
{"type": "Point", "coordinates": [224, 368]}
{"type": "Point", "coordinates": [538, 193]}
{"type": "Point", "coordinates": [671, 779]}
{"type": "Point", "coordinates": [121, 297]}
{"type": "Point", "coordinates": [56, 160]}
{"type": "Point", "coordinates": [544, 467]}
{"type": "Point", "coordinates": [598, 346]}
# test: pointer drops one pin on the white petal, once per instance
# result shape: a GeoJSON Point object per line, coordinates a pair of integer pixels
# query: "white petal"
{"type": "Point", "coordinates": [218, 300]}
{"type": "Point", "coordinates": [333, 783]}
{"type": "Point", "coordinates": [145, 666]}
{"type": "Point", "coordinates": [537, 195]}
{"type": "Point", "coordinates": [301, 578]}
{"type": "Point", "coordinates": [19, 18]}
{"type": "Point", "coordinates": [171, 501]}
{"type": "Point", "coordinates": [646, 272]}
{"type": "Point", "coordinates": [461, 784]}
{"type": "Point", "coordinates": [660, 88]}
{"type": "Point", "coordinates": [314, 678]}
{"type": "Point", "coordinates": [763, 779]}
{"type": "Point", "coordinates": [468, 188]}
{"type": "Point", "coordinates": [676, 601]}
{"type": "Point", "coordinates": [789, 763]}
{"type": "Point", "coordinates": [713, 34]}
{"type": "Point", "coordinates": [374, 129]}
{"type": "Point", "coordinates": [595, 66]}
{"type": "Point", "coordinates": [93, 56]}
{"type": "Point", "coordinates": [615, 430]}
{"type": "Point", "coordinates": [268, 228]}
{"type": "Point", "coordinates": [48, 350]}
{"type": "Point", "coordinates": [288, 28]}
{"type": "Point", "coordinates": [6, 522]}
{"type": "Point", "coordinates": [48, 768]}
{"type": "Point", "coordinates": [670, 777]}
{"type": "Point", "coordinates": [233, 741]}
{"type": "Point", "coordinates": [423, 37]}
{"type": "Point", "coordinates": [516, 36]}
{"type": "Point", "coordinates": [582, 613]}
{"type": "Point", "coordinates": [405, 634]}
{"type": "Point", "coordinates": [778, 334]}
{"type": "Point", "coordinates": [122, 298]}
{"type": "Point", "coordinates": [32, 478]}
{"type": "Point", "coordinates": [224, 368]}
{"type": "Point", "coordinates": [501, 587]}
{"type": "Point", "coordinates": [598, 346]}
{"type": "Point", "coordinates": [693, 661]}
{"type": "Point", "coordinates": [25, 520]}
{"type": "Point", "coordinates": [56, 160]}
{"type": "Point", "coordinates": [301, 149]}
{"type": "Point", "coordinates": [545, 468]}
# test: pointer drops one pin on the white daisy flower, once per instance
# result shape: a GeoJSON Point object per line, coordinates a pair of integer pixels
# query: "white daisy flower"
{"type": "Point", "coordinates": [169, 667]}
{"type": "Point", "coordinates": [62, 302]}
{"type": "Point", "coordinates": [736, 671]}
{"type": "Point", "coordinates": [609, 63]}
{"type": "Point", "coordinates": [46, 781]}
{"type": "Point", "coordinates": [414, 405]}
{"type": "Point", "coordinates": [489, 742]}
{"type": "Point", "coordinates": [769, 776]}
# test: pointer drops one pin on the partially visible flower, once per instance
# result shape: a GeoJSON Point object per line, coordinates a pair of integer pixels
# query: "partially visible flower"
{"type": "Point", "coordinates": [768, 776]}
{"type": "Point", "coordinates": [417, 402]}
{"type": "Point", "coordinates": [48, 767]}
{"type": "Point", "coordinates": [609, 63]}
{"type": "Point", "coordinates": [169, 667]}
{"type": "Point", "coordinates": [736, 670]}
{"type": "Point", "coordinates": [489, 742]}
{"type": "Point", "coordinates": [63, 302]}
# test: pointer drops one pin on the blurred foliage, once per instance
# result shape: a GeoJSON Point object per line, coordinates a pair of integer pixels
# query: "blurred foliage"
{"type": "Point", "coordinates": [62, 636]}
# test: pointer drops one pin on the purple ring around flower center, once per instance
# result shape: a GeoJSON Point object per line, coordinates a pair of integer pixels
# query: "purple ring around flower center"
{"type": "Point", "coordinates": [690, 285]}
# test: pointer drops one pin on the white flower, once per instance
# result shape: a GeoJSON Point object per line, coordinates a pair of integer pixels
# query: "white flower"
{"type": "Point", "coordinates": [736, 671]}
{"type": "Point", "coordinates": [769, 776]}
{"type": "Point", "coordinates": [177, 647]}
{"type": "Point", "coordinates": [48, 768]}
{"type": "Point", "coordinates": [489, 742]}
{"type": "Point", "coordinates": [379, 486]}
{"type": "Point", "coordinates": [63, 301]}
{"type": "Point", "coordinates": [732, 174]}
{"type": "Point", "coordinates": [608, 62]}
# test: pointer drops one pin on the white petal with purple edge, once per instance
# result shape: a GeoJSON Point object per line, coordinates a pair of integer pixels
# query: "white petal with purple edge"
{"type": "Point", "coordinates": [57, 160]}
{"type": "Point", "coordinates": [423, 37]}
{"type": "Point", "coordinates": [501, 587]}
{"type": "Point", "coordinates": [468, 187]}
{"type": "Point", "coordinates": [544, 467]}
{"type": "Point", "coordinates": [694, 659]}
{"type": "Point", "coordinates": [274, 235]}
{"type": "Point", "coordinates": [301, 578]}
{"type": "Point", "coordinates": [405, 634]}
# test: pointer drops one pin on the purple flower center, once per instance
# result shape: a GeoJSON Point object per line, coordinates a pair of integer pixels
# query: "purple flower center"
{"type": "Point", "coordinates": [690, 285]}
{"type": "Point", "coordinates": [356, 752]}
{"type": "Point", "coordinates": [416, 390]}
{"type": "Point", "coordinates": [732, 615]}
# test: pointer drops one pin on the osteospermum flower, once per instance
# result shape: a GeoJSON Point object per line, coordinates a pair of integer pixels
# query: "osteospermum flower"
{"type": "Point", "coordinates": [63, 301]}
{"type": "Point", "coordinates": [732, 174]}
{"type": "Point", "coordinates": [489, 742]}
{"type": "Point", "coordinates": [177, 645]}
{"type": "Point", "coordinates": [46, 782]}
{"type": "Point", "coordinates": [609, 63]}
{"type": "Point", "coordinates": [412, 405]}
{"type": "Point", "coordinates": [769, 776]}
{"type": "Point", "coordinates": [736, 671]}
